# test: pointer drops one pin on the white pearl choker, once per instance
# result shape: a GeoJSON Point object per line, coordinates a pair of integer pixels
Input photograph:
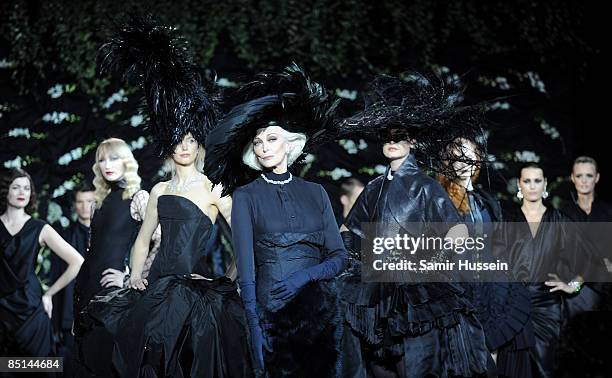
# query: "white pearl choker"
{"type": "Point", "coordinates": [277, 182]}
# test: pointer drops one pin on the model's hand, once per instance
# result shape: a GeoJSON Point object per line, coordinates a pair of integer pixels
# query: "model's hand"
{"type": "Point", "coordinates": [288, 288]}
{"type": "Point", "coordinates": [138, 283]}
{"type": "Point", "coordinates": [557, 285]}
{"type": "Point", "coordinates": [112, 277]}
{"type": "Point", "coordinates": [257, 343]}
{"type": "Point", "coordinates": [47, 302]}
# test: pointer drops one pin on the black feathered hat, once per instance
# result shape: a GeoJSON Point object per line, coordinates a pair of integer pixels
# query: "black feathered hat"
{"type": "Point", "coordinates": [177, 99]}
{"type": "Point", "coordinates": [424, 108]}
{"type": "Point", "coordinates": [288, 99]}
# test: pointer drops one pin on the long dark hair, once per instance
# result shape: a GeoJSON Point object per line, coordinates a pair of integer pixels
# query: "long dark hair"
{"type": "Point", "coordinates": [5, 184]}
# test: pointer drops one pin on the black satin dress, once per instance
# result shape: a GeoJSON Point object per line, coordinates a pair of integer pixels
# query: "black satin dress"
{"type": "Point", "coordinates": [504, 307]}
{"type": "Point", "coordinates": [415, 329]}
{"type": "Point", "coordinates": [113, 232]}
{"type": "Point", "coordinates": [178, 326]}
{"type": "Point", "coordinates": [25, 328]}
{"type": "Point", "coordinates": [553, 249]}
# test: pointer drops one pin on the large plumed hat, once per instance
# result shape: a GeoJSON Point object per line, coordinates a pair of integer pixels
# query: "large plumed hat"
{"type": "Point", "coordinates": [426, 108]}
{"type": "Point", "coordinates": [288, 99]}
{"type": "Point", "coordinates": [176, 98]}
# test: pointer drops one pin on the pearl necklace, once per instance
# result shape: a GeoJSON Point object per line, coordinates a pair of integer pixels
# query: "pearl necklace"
{"type": "Point", "coordinates": [277, 182]}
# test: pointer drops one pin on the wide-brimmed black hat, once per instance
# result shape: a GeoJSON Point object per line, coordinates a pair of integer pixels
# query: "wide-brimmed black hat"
{"type": "Point", "coordinates": [288, 99]}
{"type": "Point", "coordinates": [177, 100]}
{"type": "Point", "coordinates": [424, 108]}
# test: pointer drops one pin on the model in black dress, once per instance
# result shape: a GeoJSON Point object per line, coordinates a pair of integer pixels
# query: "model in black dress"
{"type": "Point", "coordinates": [413, 324]}
{"type": "Point", "coordinates": [503, 307]}
{"type": "Point", "coordinates": [114, 226]}
{"type": "Point", "coordinates": [177, 321]}
{"type": "Point", "coordinates": [543, 251]}
{"type": "Point", "coordinates": [284, 232]}
{"type": "Point", "coordinates": [25, 311]}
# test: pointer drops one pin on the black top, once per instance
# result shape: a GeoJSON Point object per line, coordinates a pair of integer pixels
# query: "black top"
{"type": "Point", "coordinates": [185, 234]}
{"type": "Point", "coordinates": [555, 248]}
{"type": "Point", "coordinates": [20, 290]}
{"type": "Point", "coordinates": [601, 211]}
{"type": "Point", "coordinates": [113, 232]}
{"type": "Point", "coordinates": [281, 229]}
{"type": "Point", "coordinates": [412, 202]}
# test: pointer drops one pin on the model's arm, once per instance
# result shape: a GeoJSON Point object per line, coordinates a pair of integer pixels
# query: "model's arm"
{"type": "Point", "coordinates": [138, 210]}
{"type": "Point", "coordinates": [242, 237]}
{"type": "Point", "coordinates": [143, 240]}
{"type": "Point", "coordinates": [50, 237]}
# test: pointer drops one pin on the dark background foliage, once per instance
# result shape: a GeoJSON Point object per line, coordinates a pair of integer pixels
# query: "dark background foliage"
{"type": "Point", "coordinates": [538, 64]}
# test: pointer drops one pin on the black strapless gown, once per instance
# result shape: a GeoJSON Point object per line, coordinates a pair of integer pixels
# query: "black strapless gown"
{"type": "Point", "coordinates": [178, 326]}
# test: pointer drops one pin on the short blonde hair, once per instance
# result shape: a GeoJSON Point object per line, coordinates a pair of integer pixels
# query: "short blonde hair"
{"type": "Point", "coordinates": [120, 148]}
{"type": "Point", "coordinates": [296, 140]}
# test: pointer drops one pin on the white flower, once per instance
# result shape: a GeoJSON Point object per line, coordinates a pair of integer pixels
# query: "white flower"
{"type": "Point", "coordinates": [136, 120]}
{"type": "Point", "coordinates": [345, 93]}
{"type": "Point", "coordinates": [19, 132]}
{"type": "Point", "coordinates": [499, 105]}
{"type": "Point", "coordinates": [309, 158]}
{"type": "Point", "coordinates": [62, 189]}
{"type": "Point", "coordinates": [118, 96]}
{"type": "Point", "coordinates": [65, 222]}
{"type": "Point", "coordinates": [138, 143]}
{"type": "Point", "coordinates": [6, 64]}
{"type": "Point", "coordinates": [526, 156]}
{"type": "Point", "coordinates": [54, 212]}
{"type": "Point", "coordinates": [349, 145]}
{"type": "Point", "coordinates": [380, 169]}
{"type": "Point", "coordinates": [502, 82]}
{"type": "Point", "coordinates": [224, 82]}
{"type": "Point", "coordinates": [338, 173]}
{"type": "Point", "coordinates": [15, 163]}
{"type": "Point", "coordinates": [362, 144]}
{"type": "Point", "coordinates": [535, 81]}
{"type": "Point", "coordinates": [55, 117]}
{"type": "Point", "coordinates": [68, 157]}
{"type": "Point", "coordinates": [56, 91]}
{"type": "Point", "coordinates": [549, 130]}
{"type": "Point", "coordinates": [498, 165]}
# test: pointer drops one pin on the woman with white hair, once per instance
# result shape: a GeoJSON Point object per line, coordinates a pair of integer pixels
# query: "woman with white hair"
{"type": "Point", "coordinates": [284, 233]}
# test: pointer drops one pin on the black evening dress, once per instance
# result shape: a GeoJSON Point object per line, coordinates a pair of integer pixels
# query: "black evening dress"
{"type": "Point", "coordinates": [415, 328]}
{"type": "Point", "coordinates": [25, 327]}
{"type": "Point", "coordinates": [279, 231]}
{"type": "Point", "coordinates": [503, 307]}
{"type": "Point", "coordinates": [178, 326]}
{"type": "Point", "coordinates": [113, 232]}
{"type": "Point", "coordinates": [553, 249]}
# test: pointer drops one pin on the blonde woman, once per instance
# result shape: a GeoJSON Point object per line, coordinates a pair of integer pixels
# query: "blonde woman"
{"type": "Point", "coordinates": [119, 210]}
{"type": "Point", "coordinates": [178, 311]}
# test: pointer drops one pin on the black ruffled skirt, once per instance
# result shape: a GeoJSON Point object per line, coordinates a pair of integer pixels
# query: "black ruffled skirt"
{"type": "Point", "coordinates": [177, 327]}
{"type": "Point", "coordinates": [432, 328]}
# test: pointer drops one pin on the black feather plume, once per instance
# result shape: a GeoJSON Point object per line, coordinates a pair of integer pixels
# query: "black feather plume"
{"type": "Point", "coordinates": [288, 98]}
{"type": "Point", "coordinates": [157, 58]}
{"type": "Point", "coordinates": [427, 108]}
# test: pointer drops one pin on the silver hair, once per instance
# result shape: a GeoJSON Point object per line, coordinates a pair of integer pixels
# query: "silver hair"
{"type": "Point", "coordinates": [296, 140]}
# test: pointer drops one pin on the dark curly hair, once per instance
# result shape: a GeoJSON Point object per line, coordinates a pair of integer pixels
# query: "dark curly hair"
{"type": "Point", "coordinates": [5, 183]}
